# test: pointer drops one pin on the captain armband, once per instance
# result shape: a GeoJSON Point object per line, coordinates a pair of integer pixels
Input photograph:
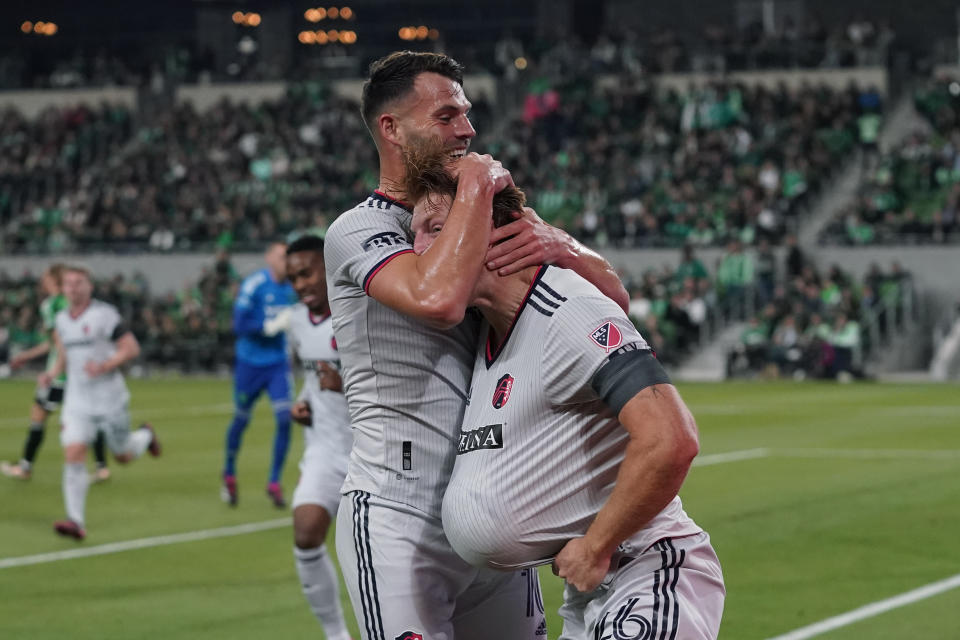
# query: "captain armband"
{"type": "Point", "coordinates": [628, 371]}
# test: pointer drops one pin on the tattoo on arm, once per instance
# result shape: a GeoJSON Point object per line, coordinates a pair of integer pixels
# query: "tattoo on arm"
{"type": "Point", "coordinates": [656, 392]}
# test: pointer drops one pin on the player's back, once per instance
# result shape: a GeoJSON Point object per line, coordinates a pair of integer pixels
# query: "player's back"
{"type": "Point", "coordinates": [90, 336]}
{"type": "Point", "coordinates": [539, 452]}
{"type": "Point", "coordinates": [260, 298]}
{"type": "Point", "coordinates": [406, 383]}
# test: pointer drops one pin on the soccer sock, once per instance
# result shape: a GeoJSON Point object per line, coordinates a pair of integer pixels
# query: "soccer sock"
{"type": "Point", "coordinates": [234, 436]}
{"type": "Point", "coordinates": [75, 484]}
{"type": "Point", "coordinates": [138, 441]}
{"type": "Point", "coordinates": [281, 444]}
{"type": "Point", "coordinates": [100, 450]}
{"type": "Point", "coordinates": [318, 579]}
{"type": "Point", "coordinates": [34, 440]}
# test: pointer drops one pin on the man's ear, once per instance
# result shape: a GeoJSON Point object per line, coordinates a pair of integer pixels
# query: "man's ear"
{"type": "Point", "coordinates": [388, 129]}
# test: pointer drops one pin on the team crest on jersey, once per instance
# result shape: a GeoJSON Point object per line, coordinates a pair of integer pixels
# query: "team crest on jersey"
{"type": "Point", "coordinates": [385, 239]}
{"type": "Point", "coordinates": [86, 329]}
{"type": "Point", "coordinates": [607, 336]}
{"type": "Point", "coordinates": [409, 635]}
{"type": "Point", "coordinates": [333, 343]}
{"type": "Point", "coordinates": [502, 392]}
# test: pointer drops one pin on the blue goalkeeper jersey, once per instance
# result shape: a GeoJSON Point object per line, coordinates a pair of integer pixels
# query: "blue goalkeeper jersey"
{"type": "Point", "coordinates": [259, 299]}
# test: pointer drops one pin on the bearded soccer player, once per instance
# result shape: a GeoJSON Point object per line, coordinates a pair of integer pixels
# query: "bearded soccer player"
{"type": "Point", "coordinates": [47, 399]}
{"type": "Point", "coordinates": [322, 409]}
{"type": "Point", "coordinates": [573, 449]}
{"type": "Point", "coordinates": [406, 343]}
{"type": "Point", "coordinates": [92, 344]}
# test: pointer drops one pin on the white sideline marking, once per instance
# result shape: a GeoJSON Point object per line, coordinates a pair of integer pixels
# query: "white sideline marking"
{"type": "Point", "coordinates": [730, 456]}
{"type": "Point", "coordinates": [873, 609]}
{"type": "Point", "coordinates": [144, 543]}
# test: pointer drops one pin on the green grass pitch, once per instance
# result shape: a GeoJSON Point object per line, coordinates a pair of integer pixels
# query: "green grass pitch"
{"type": "Point", "coordinates": [854, 497]}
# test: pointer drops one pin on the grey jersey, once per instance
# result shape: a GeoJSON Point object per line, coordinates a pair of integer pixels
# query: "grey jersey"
{"type": "Point", "coordinates": [406, 383]}
{"type": "Point", "coordinates": [312, 340]}
{"type": "Point", "coordinates": [539, 452]}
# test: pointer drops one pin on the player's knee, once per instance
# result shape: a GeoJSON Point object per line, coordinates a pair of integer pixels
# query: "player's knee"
{"type": "Point", "coordinates": [75, 453]}
{"type": "Point", "coordinates": [123, 458]}
{"type": "Point", "coordinates": [310, 524]}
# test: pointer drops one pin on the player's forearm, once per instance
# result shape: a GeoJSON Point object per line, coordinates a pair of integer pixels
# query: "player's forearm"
{"type": "Point", "coordinates": [35, 351]}
{"type": "Point", "coordinates": [593, 267]}
{"type": "Point", "coordinates": [663, 444]}
{"type": "Point", "coordinates": [128, 349]}
{"type": "Point", "coordinates": [248, 322]}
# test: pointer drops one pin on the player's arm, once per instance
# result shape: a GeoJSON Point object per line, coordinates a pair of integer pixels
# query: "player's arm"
{"type": "Point", "coordinates": [59, 364]}
{"type": "Point", "coordinates": [300, 411]}
{"type": "Point", "coordinates": [529, 241]}
{"type": "Point", "coordinates": [437, 286]}
{"type": "Point", "coordinates": [127, 348]}
{"type": "Point", "coordinates": [27, 355]}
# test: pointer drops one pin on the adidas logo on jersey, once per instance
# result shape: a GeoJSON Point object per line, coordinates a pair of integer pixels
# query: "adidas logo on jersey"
{"type": "Point", "coordinates": [542, 629]}
{"type": "Point", "coordinates": [488, 437]}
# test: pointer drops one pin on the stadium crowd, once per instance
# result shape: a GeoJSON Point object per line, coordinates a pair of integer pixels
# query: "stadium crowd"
{"type": "Point", "coordinates": [911, 194]}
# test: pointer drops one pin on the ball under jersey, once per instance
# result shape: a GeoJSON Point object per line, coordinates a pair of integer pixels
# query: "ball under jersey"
{"type": "Point", "coordinates": [312, 340]}
{"type": "Point", "coordinates": [406, 383]}
{"type": "Point", "coordinates": [539, 452]}
{"type": "Point", "coordinates": [91, 336]}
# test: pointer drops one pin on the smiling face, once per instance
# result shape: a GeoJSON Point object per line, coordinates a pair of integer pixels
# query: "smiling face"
{"type": "Point", "coordinates": [306, 273]}
{"type": "Point", "coordinates": [437, 107]}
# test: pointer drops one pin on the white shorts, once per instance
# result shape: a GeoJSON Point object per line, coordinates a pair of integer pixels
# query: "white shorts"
{"type": "Point", "coordinates": [406, 582]}
{"type": "Point", "coordinates": [672, 590]}
{"type": "Point", "coordinates": [322, 470]}
{"type": "Point", "coordinates": [79, 427]}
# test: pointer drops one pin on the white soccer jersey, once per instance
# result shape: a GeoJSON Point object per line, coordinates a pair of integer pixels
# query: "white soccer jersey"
{"type": "Point", "coordinates": [539, 452]}
{"type": "Point", "coordinates": [90, 337]}
{"type": "Point", "coordinates": [312, 340]}
{"type": "Point", "coordinates": [406, 383]}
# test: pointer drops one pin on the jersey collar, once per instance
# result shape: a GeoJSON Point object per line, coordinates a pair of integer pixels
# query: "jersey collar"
{"type": "Point", "coordinates": [490, 352]}
{"type": "Point", "coordinates": [315, 319]}
{"type": "Point", "coordinates": [380, 195]}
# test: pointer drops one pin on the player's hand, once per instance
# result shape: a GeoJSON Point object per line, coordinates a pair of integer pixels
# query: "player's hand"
{"type": "Point", "coordinates": [330, 379]}
{"type": "Point", "coordinates": [44, 379]}
{"type": "Point", "coordinates": [301, 412]}
{"type": "Point", "coordinates": [581, 566]}
{"type": "Point", "coordinates": [527, 241]}
{"type": "Point", "coordinates": [94, 369]}
{"type": "Point", "coordinates": [18, 361]}
{"type": "Point", "coordinates": [277, 324]}
{"type": "Point", "coordinates": [485, 169]}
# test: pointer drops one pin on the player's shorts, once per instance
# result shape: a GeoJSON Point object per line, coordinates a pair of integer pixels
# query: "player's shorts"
{"type": "Point", "coordinates": [49, 398]}
{"type": "Point", "coordinates": [322, 470]}
{"type": "Point", "coordinates": [80, 427]}
{"type": "Point", "coordinates": [249, 381]}
{"type": "Point", "coordinates": [674, 589]}
{"type": "Point", "coordinates": [406, 582]}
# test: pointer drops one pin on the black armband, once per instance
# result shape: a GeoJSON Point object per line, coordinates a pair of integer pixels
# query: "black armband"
{"type": "Point", "coordinates": [626, 373]}
{"type": "Point", "coordinates": [119, 331]}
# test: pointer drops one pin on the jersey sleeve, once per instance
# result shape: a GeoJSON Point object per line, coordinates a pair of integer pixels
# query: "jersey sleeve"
{"type": "Point", "coordinates": [248, 312]}
{"type": "Point", "coordinates": [584, 333]}
{"type": "Point", "coordinates": [111, 323]}
{"type": "Point", "coordinates": [361, 242]}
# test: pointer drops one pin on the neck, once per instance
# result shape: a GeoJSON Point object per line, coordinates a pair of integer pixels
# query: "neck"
{"type": "Point", "coordinates": [77, 309]}
{"type": "Point", "coordinates": [499, 298]}
{"type": "Point", "coordinates": [319, 312]}
{"type": "Point", "coordinates": [391, 175]}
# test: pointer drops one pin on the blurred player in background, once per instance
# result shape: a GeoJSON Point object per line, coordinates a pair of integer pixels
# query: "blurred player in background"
{"type": "Point", "coordinates": [92, 344]}
{"type": "Point", "coordinates": [261, 313]}
{"type": "Point", "coordinates": [407, 351]}
{"type": "Point", "coordinates": [322, 409]}
{"type": "Point", "coordinates": [573, 450]}
{"type": "Point", "coordinates": [47, 399]}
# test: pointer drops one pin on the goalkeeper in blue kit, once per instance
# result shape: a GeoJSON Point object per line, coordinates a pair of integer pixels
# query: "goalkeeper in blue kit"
{"type": "Point", "coordinates": [260, 315]}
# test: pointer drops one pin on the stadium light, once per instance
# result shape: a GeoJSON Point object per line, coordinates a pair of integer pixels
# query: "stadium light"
{"type": "Point", "coordinates": [50, 29]}
{"type": "Point", "coordinates": [422, 32]}
{"type": "Point", "coordinates": [520, 63]}
{"type": "Point", "coordinates": [253, 19]}
{"type": "Point", "coordinates": [433, 34]}
{"type": "Point", "coordinates": [237, 17]}
{"type": "Point", "coordinates": [346, 13]}
{"type": "Point", "coordinates": [26, 27]}
{"type": "Point", "coordinates": [348, 37]}
{"type": "Point", "coordinates": [333, 12]}
{"type": "Point", "coordinates": [334, 35]}
{"type": "Point", "coordinates": [39, 26]}
{"type": "Point", "coordinates": [312, 15]}
{"type": "Point", "coordinates": [307, 37]}
{"type": "Point", "coordinates": [322, 37]}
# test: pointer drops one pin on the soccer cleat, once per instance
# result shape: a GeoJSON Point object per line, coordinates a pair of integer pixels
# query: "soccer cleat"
{"type": "Point", "coordinates": [102, 474]}
{"type": "Point", "coordinates": [154, 447]}
{"type": "Point", "coordinates": [275, 493]}
{"type": "Point", "coordinates": [15, 471]}
{"type": "Point", "coordinates": [69, 529]}
{"type": "Point", "coordinates": [228, 491]}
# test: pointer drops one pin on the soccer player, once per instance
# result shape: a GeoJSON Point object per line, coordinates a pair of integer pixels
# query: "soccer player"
{"type": "Point", "coordinates": [261, 313]}
{"type": "Point", "coordinates": [407, 344]}
{"type": "Point", "coordinates": [321, 408]}
{"type": "Point", "coordinates": [572, 451]}
{"type": "Point", "coordinates": [47, 399]}
{"type": "Point", "coordinates": [92, 344]}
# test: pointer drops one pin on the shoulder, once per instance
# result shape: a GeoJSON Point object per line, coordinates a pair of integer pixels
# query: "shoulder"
{"type": "Point", "coordinates": [254, 280]}
{"type": "Point", "coordinates": [583, 315]}
{"type": "Point", "coordinates": [374, 222]}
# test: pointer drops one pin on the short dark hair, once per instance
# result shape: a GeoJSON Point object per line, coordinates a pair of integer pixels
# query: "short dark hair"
{"type": "Point", "coordinates": [306, 242]}
{"type": "Point", "coordinates": [392, 77]}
